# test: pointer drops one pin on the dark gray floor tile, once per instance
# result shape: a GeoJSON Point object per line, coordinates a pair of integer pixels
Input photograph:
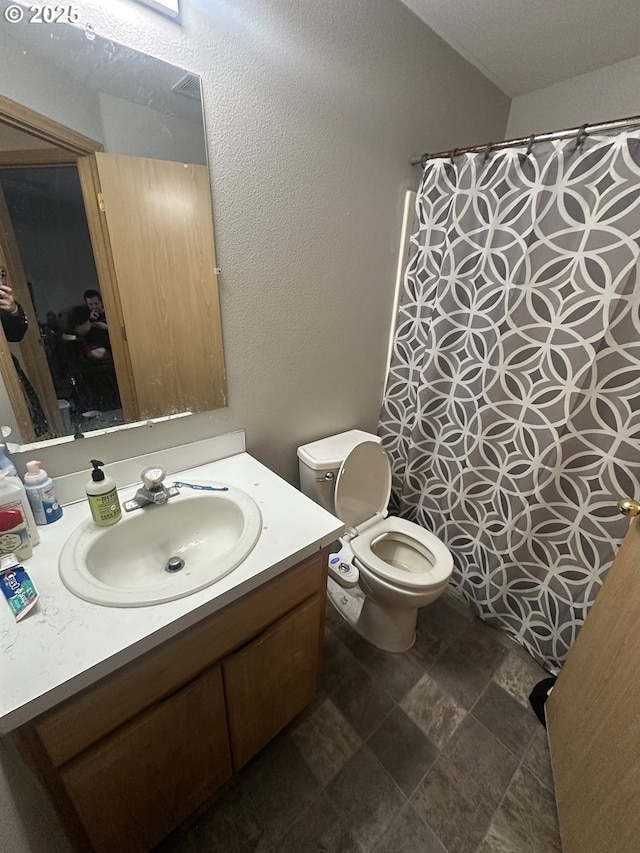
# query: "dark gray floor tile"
{"type": "Point", "coordinates": [408, 834]}
{"type": "Point", "coordinates": [361, 699]}
{"type": "Point", "coordinates": [338, 660]}
{"type": "Point", "coordinates": [449, 802]}
{"type": "Point", "coordinates": [457, 673]}
{"type": "Point", "coordinates": [512, 723]}
{"type": "Point", "coordinates": [397, 673]}
{"type": "Point", "coordinates": [227, 823]}
{"type": "Point", "coordinates": [483, 646]}
{"type": "Point", "coordinates": [526, 820]}
{"type": "Point", "coordinates": [439, 625]}
{"type": "Point", "coordinates": [326, 740]}
{"type": "Point", "coordinates": [366, 797]}
{"type": "Point", "coordinates": [318, 830]}
{"type": "Point", "coordinates": [403, 749]}
{"type": "Point", "coordinates": [538, 760]}
{"type": "Point", "coordinates": [518, 674]}
{"type": "Point", "coordinates": [482, 758]}
{"type": "Point", "coordinates": [440, 612]}
{"type": "Point", "coordinates": [489, 846]}
{"type": "Point", "coordinates": [280, 785]}
{"type": "Point", "coordinates": [520, 650]}
{"type": "Point", "coordinates": [455, 599]}
{"type": "Point", "coordinates": [321, 696]}
{"type": "Point", "coordinates": [357, 645]}
{"type": "Point", "coordinates": [433, 710]}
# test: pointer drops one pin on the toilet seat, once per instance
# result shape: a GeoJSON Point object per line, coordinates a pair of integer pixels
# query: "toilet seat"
{"type": "Point", "coordinates": [361, 496]}
{"type": "Point", "coordinates": [435, 556]}
{"type": "Point", "coordinates": [363, 486]}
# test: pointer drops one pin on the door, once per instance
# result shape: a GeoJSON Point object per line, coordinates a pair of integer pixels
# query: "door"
{"type": "Point", "coordinates": [272, 679]}
{"type": "Point", "coordinates": [592, 718]}
{"type": "Point", "coordinates": [138, 783]}
{"type": "Point", "coordinates": [29, 351]}
{"type": "Point", "coordinates": [152, 231]}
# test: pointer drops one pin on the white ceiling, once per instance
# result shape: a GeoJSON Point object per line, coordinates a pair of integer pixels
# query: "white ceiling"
{"type": "Point", "coordinates": [524, 45]}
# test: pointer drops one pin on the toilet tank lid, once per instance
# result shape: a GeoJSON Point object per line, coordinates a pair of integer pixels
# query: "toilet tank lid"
{"type": "Point", "coordinates": [330, 452]}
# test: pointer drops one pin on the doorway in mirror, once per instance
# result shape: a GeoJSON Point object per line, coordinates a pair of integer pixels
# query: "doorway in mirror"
{"type": "Point", "coordinates": [116, 137]}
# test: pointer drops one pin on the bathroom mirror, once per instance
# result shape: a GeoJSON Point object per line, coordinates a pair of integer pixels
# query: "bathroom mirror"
{"type": "Point", "coordinates": [104, 187]}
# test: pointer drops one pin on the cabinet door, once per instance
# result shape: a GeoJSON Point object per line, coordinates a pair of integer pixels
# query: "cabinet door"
{"type": "Point", "coordinates": [136, 785]}
{"type": "Point", "coordinates": [272, 679]}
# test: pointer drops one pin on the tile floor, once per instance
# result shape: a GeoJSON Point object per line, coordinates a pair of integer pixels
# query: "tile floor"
{"type": "Point", "coordinates": [432, 751]}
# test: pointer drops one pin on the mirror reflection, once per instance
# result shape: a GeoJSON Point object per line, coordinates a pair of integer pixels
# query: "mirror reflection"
{"type": "Point", "coordinates": [106, 239]}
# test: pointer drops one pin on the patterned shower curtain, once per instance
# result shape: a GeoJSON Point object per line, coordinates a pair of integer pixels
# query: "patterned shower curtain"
{"type": "Point", "coordinates": [512, 407]}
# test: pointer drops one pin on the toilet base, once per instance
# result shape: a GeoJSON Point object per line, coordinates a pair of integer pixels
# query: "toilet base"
{"type": "Point", "coordinates": [390, 629]}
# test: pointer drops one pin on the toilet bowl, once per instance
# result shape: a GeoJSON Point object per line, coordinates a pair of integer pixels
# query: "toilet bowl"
{"type": "Point", "coordinates": [402, 567]}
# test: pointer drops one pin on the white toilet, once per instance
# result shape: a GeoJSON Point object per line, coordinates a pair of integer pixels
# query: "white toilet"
{"type": "Point", "coordinates": [401, 566]}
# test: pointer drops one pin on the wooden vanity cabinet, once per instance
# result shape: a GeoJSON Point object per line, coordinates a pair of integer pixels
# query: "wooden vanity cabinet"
{"type": "Point", "coordinates": [272, 679]}
{"type": "Point", "coordinates": [129, 758]}
{"type": "Point", "coordinates": [134, 786]}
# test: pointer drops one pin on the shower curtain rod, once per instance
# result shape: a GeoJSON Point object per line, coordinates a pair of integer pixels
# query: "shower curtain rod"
{"type": "Point", "coordinates": [530, 141]}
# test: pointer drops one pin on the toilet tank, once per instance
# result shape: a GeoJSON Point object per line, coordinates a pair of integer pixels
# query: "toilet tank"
{"type": "Point", "coordinates": [319, 463]}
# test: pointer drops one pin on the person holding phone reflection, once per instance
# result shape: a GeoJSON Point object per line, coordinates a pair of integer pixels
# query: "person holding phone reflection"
{"type": "Point", "coordinates": [14, 320]}
{"type": "Point", "coordinates": [89, 322]}
{"type": "Point", "coordinates": [14, 326]}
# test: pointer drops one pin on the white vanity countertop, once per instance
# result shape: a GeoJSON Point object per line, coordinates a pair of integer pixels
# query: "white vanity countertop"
{"type": "Point", "coordinates": [66, 644]}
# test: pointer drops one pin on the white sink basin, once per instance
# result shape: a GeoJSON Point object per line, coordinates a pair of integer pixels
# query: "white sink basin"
{"type": "Point", "coordinates": [125, 565]}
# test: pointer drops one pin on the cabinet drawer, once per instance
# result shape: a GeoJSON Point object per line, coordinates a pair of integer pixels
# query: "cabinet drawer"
{"type": "Point", "coordinates": [271, 680]}
{"type": "Point", "coordinates": [139, 783]}
{"type": "Point", "coordinates": [82, 720]}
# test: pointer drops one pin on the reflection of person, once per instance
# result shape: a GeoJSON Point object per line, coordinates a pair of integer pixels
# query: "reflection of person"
{"type": "Point", "coordinates": [93, 301]}
{"type": "Point", "coordinates": [14, 325]}
{"type": "Point", "coordinates": [89, 322]}
{"type": "Point", "coordinates": [14, 321]}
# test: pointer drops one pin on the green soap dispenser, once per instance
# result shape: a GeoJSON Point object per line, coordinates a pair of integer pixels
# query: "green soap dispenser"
{"type": "Point", "coordinates": [102, 494]}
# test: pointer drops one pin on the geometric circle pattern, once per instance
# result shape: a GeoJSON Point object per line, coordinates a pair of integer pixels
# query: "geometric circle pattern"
{"type": "Point", "coordinates": [512, 406]}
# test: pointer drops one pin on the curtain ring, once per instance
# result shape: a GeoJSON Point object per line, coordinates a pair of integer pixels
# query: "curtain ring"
{"type": "Point", "coordinates": [487, 151]}
{"type": "Point", "coordinates": [582, 135]}
{"type": "Point", "coordinates": [454, 154]}
{"type": "Point", "coordinates": [532, 139]}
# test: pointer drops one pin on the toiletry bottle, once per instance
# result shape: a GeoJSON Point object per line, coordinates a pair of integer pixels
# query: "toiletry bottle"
{"type": "Point", "coordinates": [16, 586]}
{"type": "Point", "coordinates": [41, 494]}
{"type": "Point", "coordinates": [13, 495]}
{"type": "Point", "coordinates": [14, 536]}
{"type": "Point", "coordinates": [102, 494]}
{"type": "Point", "coordinates": [6, 464]}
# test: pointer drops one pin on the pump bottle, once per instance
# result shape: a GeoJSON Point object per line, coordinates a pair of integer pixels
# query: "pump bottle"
{"type": "Point", "coordinates": [102, 494]}
{"type": "Point", "coordinates": [41, 494]}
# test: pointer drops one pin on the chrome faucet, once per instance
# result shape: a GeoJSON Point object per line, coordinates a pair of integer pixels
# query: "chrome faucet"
{"type": "Point", "coordinates": [152, 491]}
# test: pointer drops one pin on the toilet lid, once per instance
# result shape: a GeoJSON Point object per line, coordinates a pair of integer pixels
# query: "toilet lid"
{"type": "Point", "coordinates": [363, 485]}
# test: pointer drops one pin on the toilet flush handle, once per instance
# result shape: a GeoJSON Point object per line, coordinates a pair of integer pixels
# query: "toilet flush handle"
{"type": "Point", "coordinates": [330, 475]}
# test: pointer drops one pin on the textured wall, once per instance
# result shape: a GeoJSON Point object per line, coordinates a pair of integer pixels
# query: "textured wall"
{"type": "Point", "coordinates": [602, 95]}
{"type": "Point", "coordinates": [313, 111]}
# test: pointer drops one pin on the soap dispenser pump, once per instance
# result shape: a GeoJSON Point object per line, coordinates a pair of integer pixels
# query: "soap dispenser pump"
{"type": "Point", "coordinates": [102, 494]}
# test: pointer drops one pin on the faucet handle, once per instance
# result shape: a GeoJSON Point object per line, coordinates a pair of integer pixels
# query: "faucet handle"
{"type": "Point", "coordinates": [152, 478]}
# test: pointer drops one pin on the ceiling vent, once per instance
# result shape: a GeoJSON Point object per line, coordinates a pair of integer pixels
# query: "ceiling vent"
{"type": "Point", "coordinates": [189, 85]}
